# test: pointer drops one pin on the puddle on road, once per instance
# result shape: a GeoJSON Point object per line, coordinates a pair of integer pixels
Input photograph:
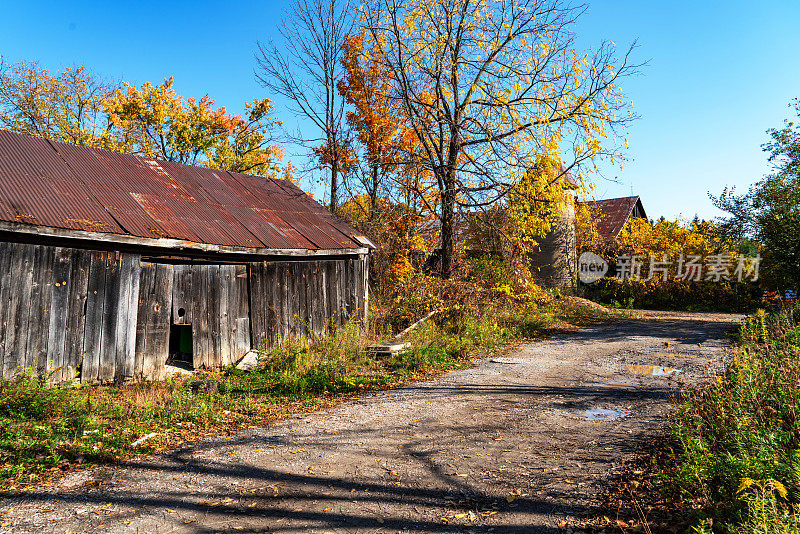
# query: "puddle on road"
{"type": "Point", "coordinates": [604, 414]}
{"type": "Point", "coordinates": [652, 370]}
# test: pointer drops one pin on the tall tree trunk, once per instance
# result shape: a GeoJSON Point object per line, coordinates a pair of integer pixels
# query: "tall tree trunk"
{"type": "Point", "coordinates": [334, 187]}
{"type": "Point", "coordinates": [373, 194]}
{"type": "Point", "coordinates": [448, 216]}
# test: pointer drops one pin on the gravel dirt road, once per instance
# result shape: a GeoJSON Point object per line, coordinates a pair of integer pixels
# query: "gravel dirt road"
{"type": "Point", "coordinates": [519, 443]}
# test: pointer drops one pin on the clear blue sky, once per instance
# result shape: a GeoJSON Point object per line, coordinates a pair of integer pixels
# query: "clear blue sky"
{"type": "Point", "coordinates": [719, 74]}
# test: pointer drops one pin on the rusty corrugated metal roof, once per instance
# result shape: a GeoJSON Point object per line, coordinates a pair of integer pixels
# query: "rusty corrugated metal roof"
{"type": "Point", "coordinates": [46, 183]}
{"type": "Point", "coordinates": [614, 213]}
{"type": "Point", "coordinates": [30, 194]}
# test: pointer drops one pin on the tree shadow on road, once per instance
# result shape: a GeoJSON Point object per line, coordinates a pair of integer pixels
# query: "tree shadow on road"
{"type": "Point", "coordinates": [257, 499]}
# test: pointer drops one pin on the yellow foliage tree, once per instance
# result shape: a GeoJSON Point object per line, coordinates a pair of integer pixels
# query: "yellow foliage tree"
{"type": "Point", "coordinates": [156, 122]}
{"type": "Point", "coordinates": [587, 233]}
{"type": "Point", "coordinates": [77, 107]}
{"type": "Point", "coordinates": [672, 238]}
{"type": "Point", "coordinates": [667, 276]}
{"type": "Point", "coordinates": [545, 191]}
{"type": "Point", "coordinates": [488, 86]}
{"type": "Point", "coordinates": [64, 107]}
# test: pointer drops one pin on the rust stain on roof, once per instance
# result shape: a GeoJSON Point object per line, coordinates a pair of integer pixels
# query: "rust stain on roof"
{"type": "Point", "coordinates": [58, 185]}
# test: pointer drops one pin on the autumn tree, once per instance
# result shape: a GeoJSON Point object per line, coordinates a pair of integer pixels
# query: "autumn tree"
{"type": "Point", "coordinates": [544, 191]}
{"type": "Point", "coordinates": [78, 107]}
{"type": "Point", "coordinates": [158, 123]}
{"type": "Point", "coordinates": [340, 154]}
{"type": "Point", "coordinates": [304, 68]}
{"type": "Point", "coordinates": [487, 85]}
{"type": "Point", "coordinates": [249, 148]}
{"type": "Point", "coordinates": [166, 126]}
{"type": "Point", "coordinates": [671, 238]}
{"type": "Point", "coordinates": [393, 225]}
{"type": "Point", "coordinates": [587, 228]}
{"type": "Point", "coordinates": [375, 116]}
{"type": "Point", "coordinates": [64, 107]}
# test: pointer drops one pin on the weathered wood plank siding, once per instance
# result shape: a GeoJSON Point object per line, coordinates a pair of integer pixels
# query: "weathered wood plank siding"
{"type": "Point", "coordinates": [64, 309]}
{"type": "Point", "coordinates": [241, 312]}
{"type": "Point", "coordinates": [182, 295]}
{"type": "Point", "coordinates": [215, 303]}
{"type": "Point", "coordinates": [56, 340]}
{"type": "Point", "coordinates": [106, 316]}
{"type": "Point", "coordinates": [111, 316]}
{"type": "Point", "coordinates": [304, 299]}
{"type": "Point", "coordinates": [21, 283]}
{"type": "Point", "coordinates": [155, 296]}
{"type": "Point", "coordinates": [76, 314]}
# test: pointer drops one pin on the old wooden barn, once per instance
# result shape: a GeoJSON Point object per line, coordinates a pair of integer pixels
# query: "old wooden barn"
{"type": "Point", "coordinates": [110, 263]}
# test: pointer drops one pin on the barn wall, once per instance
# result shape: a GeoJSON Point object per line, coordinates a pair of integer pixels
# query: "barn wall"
{"type": "Point", "coordinates": [305, 299]}
{"type": "Point", "coordinates": [214, 300]}
{"type": "Point", "coordinates": [64, 310]}
{"type": "Point", "coordinates": [105, 316]}
{"type": "Point", "coordinates": [154, 308]}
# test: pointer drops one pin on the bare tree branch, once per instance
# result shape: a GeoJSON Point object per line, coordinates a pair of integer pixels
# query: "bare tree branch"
{"type": "Point", "coordinates": [304, 68]}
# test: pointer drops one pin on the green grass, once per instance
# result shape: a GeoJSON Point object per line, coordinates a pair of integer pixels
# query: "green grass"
{"type": "Point", "coordinates": [45, 431]}
{"type": "Point", "coordinates": [739, 437]}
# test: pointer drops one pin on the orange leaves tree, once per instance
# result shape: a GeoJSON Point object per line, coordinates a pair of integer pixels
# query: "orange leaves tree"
{"type": "Point", "coordinates": [382, 205]}
{"type": "Point", "coordinates": [341, 155]}
{"type": "Point", "coordinates": [394, 226]}
{"type": "Point", "coordinates": [487, 85]}
{"type": "Point", "coordinates": [156, 122]}
{"type": "Point", "coordinates": [376, 118]}
{"type": "Point", "coordinates": [249, 146]}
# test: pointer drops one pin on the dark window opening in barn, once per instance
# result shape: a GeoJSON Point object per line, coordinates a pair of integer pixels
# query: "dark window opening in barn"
{"type": "Point", "coordinates": [180, 344]}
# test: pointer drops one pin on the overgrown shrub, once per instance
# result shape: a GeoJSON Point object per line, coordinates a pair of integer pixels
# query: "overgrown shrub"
{"type": "Point", "coordinates": [655, 239]}
{"type": "Point", "coordinates": [488, 270]}
{"type": "Point", "coordinates": [740, 436]}
{"type": "Point", "coordinates": [676, 295]}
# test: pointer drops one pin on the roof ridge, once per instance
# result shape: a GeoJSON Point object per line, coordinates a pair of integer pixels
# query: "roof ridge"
{"type": "Point", "coordinates": [607, 199]}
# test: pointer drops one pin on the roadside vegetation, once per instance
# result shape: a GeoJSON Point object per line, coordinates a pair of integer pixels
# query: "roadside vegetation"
{"type": "Point", "coordinates": [738, 438]}
{"type": "Point", "coordinates": [47, 431]}
{"type": "Point", "coordinates": [732, 461]}
{"type": "Point", "coordinates": [671, 240]}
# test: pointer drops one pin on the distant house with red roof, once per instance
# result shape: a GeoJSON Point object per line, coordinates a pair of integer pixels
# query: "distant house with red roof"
{"type": "Point", "coordinates": [614, 213]}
